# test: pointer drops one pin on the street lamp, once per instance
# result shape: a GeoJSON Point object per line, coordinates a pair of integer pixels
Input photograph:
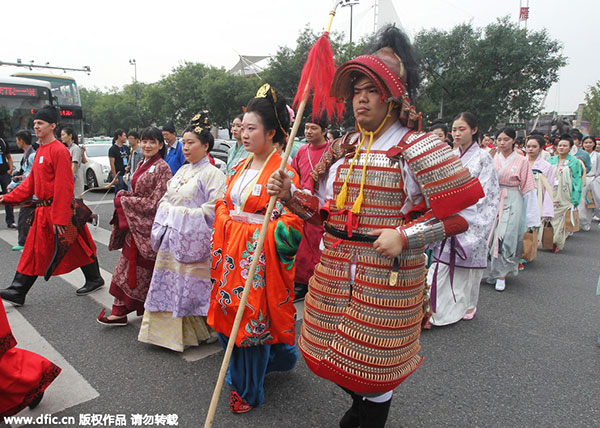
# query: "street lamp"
{"type": "Point", "coordinates": [350, 3]}
{"type": "Point", "coordinates": [132, 62]}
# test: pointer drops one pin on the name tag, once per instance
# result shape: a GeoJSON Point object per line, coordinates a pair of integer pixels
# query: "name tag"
{"type": "Point", "coordinates": [256, 190]}
{"type": "Point", "coordinates": [41, 159]}
{"type": "Point", "coordinates": [151, 169]}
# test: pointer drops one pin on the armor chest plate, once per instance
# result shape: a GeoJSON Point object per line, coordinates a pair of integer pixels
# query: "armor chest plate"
{"type": "Point", "coordinates": [383, 193]}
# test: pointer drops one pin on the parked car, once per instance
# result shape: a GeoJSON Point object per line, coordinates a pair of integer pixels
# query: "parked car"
{"type": "Point", "coordinates": [97, 165]}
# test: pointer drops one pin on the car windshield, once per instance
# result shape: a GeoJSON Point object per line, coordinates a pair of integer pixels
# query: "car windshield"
{"type": "Point", "coordinates": [96, 150]}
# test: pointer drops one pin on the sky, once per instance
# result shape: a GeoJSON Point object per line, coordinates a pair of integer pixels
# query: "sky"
{"type": "Point", "coordinates": [161, 35]}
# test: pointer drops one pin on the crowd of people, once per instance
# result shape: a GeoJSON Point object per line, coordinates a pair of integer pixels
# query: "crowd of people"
{"type": "Point", "coordinates": [384, 231]}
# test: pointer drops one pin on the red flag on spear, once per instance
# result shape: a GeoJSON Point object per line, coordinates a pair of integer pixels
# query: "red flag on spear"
{"type": "Point", "coordinates": [317, 76]}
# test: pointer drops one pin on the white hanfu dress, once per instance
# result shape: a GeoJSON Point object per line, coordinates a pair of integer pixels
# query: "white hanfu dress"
{"type": "Point", "coordinates": [467, 251]}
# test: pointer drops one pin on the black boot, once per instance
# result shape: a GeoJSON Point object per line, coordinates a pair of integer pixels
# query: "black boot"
{"type": "Point", "coordinates": [93, 279]}
{"type": "Point", "coordinates": [18, 289]}
{"type": "Point", "coordinates": [373, 415]}
{"type": "Point", "coordinates": [351, 417]}
{"type": "Point", "coordinates": [300, 291]}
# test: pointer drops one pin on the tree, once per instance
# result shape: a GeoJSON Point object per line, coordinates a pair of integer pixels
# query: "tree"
{"type": "Point", "coordinates": [286, 65]}
{"type": "Point", "coordinates": [499, 73]}
{"type": "Point", "coordinates": [591, 110]}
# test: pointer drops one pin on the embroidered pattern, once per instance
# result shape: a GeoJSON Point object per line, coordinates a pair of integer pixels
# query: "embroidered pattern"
{"type": "Point", "coordinates": [258, 331]}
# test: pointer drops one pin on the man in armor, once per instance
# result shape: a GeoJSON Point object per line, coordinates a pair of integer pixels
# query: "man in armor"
{"type": "Point", "coordinates": [383, 192]}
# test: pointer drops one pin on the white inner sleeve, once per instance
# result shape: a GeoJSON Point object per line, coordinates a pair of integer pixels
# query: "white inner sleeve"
{"type": "Point", "coordinates": [533, 210]}
{"type": "Point", "coordinates": [242, 187]}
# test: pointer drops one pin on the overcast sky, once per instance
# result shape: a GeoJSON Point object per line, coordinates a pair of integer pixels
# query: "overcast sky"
{"type": "Point", "coordinates": [160, 35]}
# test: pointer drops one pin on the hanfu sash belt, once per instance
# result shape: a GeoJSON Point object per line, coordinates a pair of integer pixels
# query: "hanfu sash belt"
{"type": "Point", "coordinates": [135, 259]}
{"type": "Point", "coordinates": [248, 218]}
{"type": "Point", "coordinates": [451, 267]}
{"type": "Point", "coordinates": [503, 194]}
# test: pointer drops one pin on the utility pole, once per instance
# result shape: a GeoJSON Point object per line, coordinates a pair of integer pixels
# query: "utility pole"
{"type": "Point", "coordinates": [134, 63]}
{"type": "Point", "coordinates": [135, 82]}
{"type": "Point", "coordinates": [350, 3]}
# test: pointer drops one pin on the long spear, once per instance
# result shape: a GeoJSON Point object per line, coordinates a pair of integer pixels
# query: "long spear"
{"type": "Point", "coordinates": [317, 74]}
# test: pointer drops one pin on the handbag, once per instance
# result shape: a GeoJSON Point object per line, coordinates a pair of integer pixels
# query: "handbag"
{"type": "Point", "coordinates": [529, 245]}
{"type": "Point", "coordinates": [590, 198]}
{"type": "Point", "coordinates": [572, 220]}
{"type": "Point", "coordinates": [547, 236]}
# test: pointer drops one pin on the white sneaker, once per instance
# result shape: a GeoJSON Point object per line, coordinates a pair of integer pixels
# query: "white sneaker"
{"type": "Point", "coordinates": [500, 285]}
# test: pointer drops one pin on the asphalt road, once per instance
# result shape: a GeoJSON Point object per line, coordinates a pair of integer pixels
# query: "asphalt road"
{"type": "Point", "coordinates": [529, 358]}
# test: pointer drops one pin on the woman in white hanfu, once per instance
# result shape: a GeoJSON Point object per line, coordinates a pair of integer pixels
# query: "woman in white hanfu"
{"type": "Point", "coordinates": [179, 294]}
{"type": "Point", "coordinates": [459, 261]}
{"type": "Point", "coordinates": [517, 210]}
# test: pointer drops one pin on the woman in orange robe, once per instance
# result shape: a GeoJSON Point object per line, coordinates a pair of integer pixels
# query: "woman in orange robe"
{"type": "Point", "coordinates": [266, 338]}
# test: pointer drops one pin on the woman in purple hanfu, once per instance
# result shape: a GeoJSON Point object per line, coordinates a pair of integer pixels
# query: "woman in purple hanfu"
{"type": "Point", "coordinates": [179, 294]}
{"type": "Point", "coordinates": [459, 261]}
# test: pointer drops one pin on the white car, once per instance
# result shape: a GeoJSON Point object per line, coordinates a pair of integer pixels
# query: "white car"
{"type": "Point", "coordinates": [97, 165]}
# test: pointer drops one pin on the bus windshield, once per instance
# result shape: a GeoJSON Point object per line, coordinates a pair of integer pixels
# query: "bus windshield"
{"type": "Point", "coordinates": [65, 91]}
{"type": "Point", "coordinates": [63, 88]}
{"type": "Point", "coordinates": [19, 99]}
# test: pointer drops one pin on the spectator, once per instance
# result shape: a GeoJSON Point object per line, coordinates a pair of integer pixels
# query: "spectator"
{"type": "Point", "coordinates": [118, 155]}
{"type": "Point", "coordinates": [174, 156]}
{"type": "Point", "coordinates": [136, 151]}
{"type": "Point", "coordinates": [26, 212]}
{"type": "Point", "coordinates": [6, 169]}
{"type": "Point", "coordinates": [69, 139]}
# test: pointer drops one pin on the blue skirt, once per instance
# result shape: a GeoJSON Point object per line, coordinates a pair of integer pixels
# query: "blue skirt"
{"type": "Point", "coordinates": [249, 365]}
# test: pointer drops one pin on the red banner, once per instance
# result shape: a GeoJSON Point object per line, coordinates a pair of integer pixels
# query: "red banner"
{"type": "Point", "coordinates": [524, 14]}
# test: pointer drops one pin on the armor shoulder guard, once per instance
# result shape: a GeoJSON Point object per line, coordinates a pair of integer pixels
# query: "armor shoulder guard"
{"type": "Point", "coordinates": [339, 148]}
{"type": "Point", "coordinates": [447, 185]}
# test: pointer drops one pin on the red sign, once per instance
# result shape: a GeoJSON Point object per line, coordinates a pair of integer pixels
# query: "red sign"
{"type": "Point", "coordinates": [66, 113]}
{"type": "Point", "coordinates": [524, 14]}
{"type": "Point", "coordinates": [15, 91]}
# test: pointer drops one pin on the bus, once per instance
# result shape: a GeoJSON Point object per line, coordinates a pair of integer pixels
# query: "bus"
{"type": "Point", "coordinates": [66, 97]}
{"type": "Point", "coordinates": [19, 100]}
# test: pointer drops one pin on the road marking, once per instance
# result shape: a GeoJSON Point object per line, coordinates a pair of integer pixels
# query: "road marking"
{"type": "Point", "coordinates": [69, 389]}
{"type": "Point", "coordinates": [76, 279]}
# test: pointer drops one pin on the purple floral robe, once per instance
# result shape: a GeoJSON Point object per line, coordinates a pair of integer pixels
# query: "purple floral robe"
{"type": "Point", "coordinates": [181, 235]}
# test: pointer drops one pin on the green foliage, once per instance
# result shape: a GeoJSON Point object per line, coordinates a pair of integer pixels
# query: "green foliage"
{"type": "Point", "coordinates": [591, 110]}
{"type": "Point", "coordinates": [500, 72]}
{"type": "Point", "coordinates": [189, 88]}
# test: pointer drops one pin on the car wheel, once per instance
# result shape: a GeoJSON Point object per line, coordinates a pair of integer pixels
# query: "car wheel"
{"type": "Point", "coordinates": [90, 179]}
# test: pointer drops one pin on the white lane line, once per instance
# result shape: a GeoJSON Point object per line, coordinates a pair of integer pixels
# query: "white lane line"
{"type": "Point", "coordinates": [76, 280]}
{"type": "Point", "coordinates": [69, 389]}
{"type": "Point", "coordinates": [100, 234]}
{"type": "Point", "coordinates": [103, 298]}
